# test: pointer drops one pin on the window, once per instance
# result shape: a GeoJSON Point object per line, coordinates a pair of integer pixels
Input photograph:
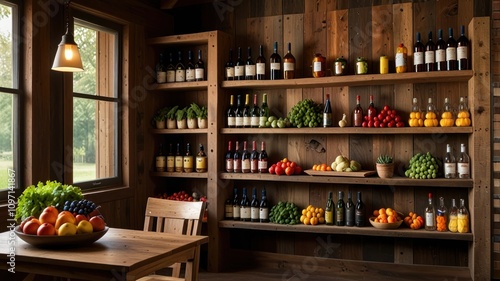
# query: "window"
{"type": "Point", "coordinates": [9, 92]}
{"type": "Point", "coordinates": [96, 100]}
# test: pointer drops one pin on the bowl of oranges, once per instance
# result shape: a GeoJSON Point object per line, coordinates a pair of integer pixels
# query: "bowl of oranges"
{"type": "Point", "coordinates": [386, 218]}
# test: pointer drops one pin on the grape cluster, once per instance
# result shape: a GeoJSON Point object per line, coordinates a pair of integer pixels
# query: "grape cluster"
{"type": "Point", "coordinates": [306, 113]}
{"type": "Point", "coordinates": [80, 207]}
{"type": "Point", "coordinates": [424, 166]}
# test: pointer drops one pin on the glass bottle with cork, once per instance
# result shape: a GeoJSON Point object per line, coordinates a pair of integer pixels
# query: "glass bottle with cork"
{"type": "Point", "coordinates": [188, 160]}
{"type": "Point", "coordinates": [170, 159]}
{"type": "Point", "coordinates": [327, 112]}
{"type": "Point", "coordinates": [201, 160]}
{"type": "Point", "coordinates": [178, 159]}
{"type": "Point", "coordinates": [264, 208]}
{"type": "Point", "coordinates": [357, 114]}
{"type": "Point", "coordinates": [160, 160]}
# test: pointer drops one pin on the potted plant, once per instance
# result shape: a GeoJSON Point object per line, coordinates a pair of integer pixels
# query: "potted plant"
{"type": "Point", "coordinates": [171, 118]}
{"type": "Point", "coordinates": [385, 166]}
{"type": "Point", "coordinates": [201, 114]}
{"type": "Point", "coordinates": [180, 116]}
{"type": "Point", "coordinates": [191, 117]}
{"type": "Point", "coordinates": [159, 119]}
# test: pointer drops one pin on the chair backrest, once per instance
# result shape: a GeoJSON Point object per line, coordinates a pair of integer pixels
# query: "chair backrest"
{"type": "Point", "coordinates": [179, 217]}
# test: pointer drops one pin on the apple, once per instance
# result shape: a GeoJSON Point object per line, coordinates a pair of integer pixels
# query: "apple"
{"type": "Point", "coordinates": [48, 217]}
{"type": "Point", "coordinates": [31, 227]}
{"type": "Point", "coordinates": [25, 221]}
{"type": "Point", "coordinates": [84, 226]}
{"type": "Point", "coordinates": [98, 223]}
{"type": "Point", "coordinates": [46, 229]}
{"type": "Point", "coordinates": [80, 217]}
{"type": "Point", "coordinates": [51, 209]}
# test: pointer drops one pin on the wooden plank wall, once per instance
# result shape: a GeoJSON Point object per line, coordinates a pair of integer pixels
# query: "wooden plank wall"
{"type": "Point", "coordinates": [495, 65]}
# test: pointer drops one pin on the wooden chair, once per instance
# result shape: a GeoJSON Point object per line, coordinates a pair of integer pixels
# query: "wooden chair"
{"type": "Point", "coordinates": [178, 217]}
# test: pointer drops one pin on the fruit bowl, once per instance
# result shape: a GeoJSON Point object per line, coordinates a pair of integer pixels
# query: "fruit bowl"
{"type": "Point", "coordinates": [379, 225]}
{"type": "Point", "coordinates": [54, 241]}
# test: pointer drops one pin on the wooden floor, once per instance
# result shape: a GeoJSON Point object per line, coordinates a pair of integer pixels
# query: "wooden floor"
{"type": "Point", "coordinates": [264, 275]}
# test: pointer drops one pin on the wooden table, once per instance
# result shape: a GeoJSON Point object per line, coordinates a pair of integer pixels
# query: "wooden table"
{"type": "Point", "coordinates": [121, 254]}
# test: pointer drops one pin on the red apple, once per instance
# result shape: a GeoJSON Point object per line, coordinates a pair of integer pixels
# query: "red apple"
{"type": "Point", "coordinates": [48, 217]}
{"type": "Point", "coordinates": [46, 229]}
{"type": "Point", "coordinates": [80, 217]}
{"type": "Point", "coordinates": [97, 223]}
{"type": "Point", "coordinates": [25, 221]}
{"type": "Point", "coordinates": [31, 227]}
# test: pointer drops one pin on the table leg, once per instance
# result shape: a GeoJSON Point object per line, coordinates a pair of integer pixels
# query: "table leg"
{"type": "Point", "coordinates": [192, 267]}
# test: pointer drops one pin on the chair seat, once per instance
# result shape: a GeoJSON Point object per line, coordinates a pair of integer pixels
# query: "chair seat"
{"type": "Point", "coordinates": [160, 278]}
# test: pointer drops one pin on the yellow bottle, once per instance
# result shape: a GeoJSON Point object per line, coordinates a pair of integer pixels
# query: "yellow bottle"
{"type": "Point", "coordinates": [401, 58]}
{"type": "Point", "coordinates": [430, 115]}
{"type": "Point", "coordinates": [416, 119]}
{"type": "Point", "coordinates": [463, 117]}
{"type": "Point", "coordinates": [447, 119]}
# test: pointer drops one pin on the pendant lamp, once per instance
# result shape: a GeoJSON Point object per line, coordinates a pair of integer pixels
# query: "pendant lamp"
{"type": "Point", "coordinates": [67, 58]}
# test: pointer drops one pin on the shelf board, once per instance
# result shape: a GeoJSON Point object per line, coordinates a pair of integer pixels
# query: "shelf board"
{"type": "Point", "coordinates": [395, 181]}
{"type": "Point", "coordinates": [190, 39]}
{"type": "Point", "coordinates": [179, 131]}
{"type": "Point", "coordinates": [351, 130]}
{"type": "Point", "coordinates": [180, 175]}
{"type": "Point", "coordinates": [355, 80]}
{"type": "Point", "coordinates": [401, 232]}
{"type": "Point", "coordinates": [181, 86]}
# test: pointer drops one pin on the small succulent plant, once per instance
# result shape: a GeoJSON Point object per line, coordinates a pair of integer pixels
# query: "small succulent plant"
{"type": "Point", "coordinates": [384, 159]}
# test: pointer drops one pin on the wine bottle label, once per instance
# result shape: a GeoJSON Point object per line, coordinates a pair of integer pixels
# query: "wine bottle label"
{"type": "Point", "coordinates": [450, 170]}
{"type": "Point", "coordinates": [254, 213]}
{"type": "Point", "coordinates": [180, 75]}
{"type": "Point", "coordinates": [430, 57]}
{"type": "Point", "coordinates": [229, 165]}
{"type": "Point", "coordinates": [236, 211]}
{"type": "Point", "coordinates": [190, 74]}
{"type": "Point", "coordinates": [340, 215]}
{"type": "Point", "coordinates": [275, 66]}
{"type": "Point", "coordinates": [349, 215]}
{"type": "Point", "coordinates": [329, 217]}
{"type": "Point", "coordinates": [261, 68]}
{"type": "Point", "coordinates": [237, 166]}
{"type": "Point", "coordinates": [462, 52]}
{"type": "Point", "coordinates": [229, 72]}
{"type": "Point", "coordinates": [231, 121]}
{"type": "Point", "coordinates": [254, 166]}
{"type": "Point", "coordinates": [358, 119]}
{"type": "Point", "coordinates": [463, 170]}
{"type": "Point", "coordinates": [239, 121]}
{"type": "Point", "coordinates": [170, 76]}
{"type": "Point", "coordinates": [418, 58]}
{"type": "Point", "coordinates": [400, 60]}
{"type": "Point", "coordinates": [264, 213]}
{"type": "Point", "coordinates": [201, 163]}
{"type": "Point", "coordinates": [317, 66]}
{"type": "Point", "coordinates": [161, 77]}
{"type": "Point", "coordinates": [327, 119]}
{"type": "Point", "coordinates": [188, 163]}
{"type": "Point", "coordinates": [262, 165]}
{"type": "Point", "coordinates": [239, 70]}
{"type": "Point", "coordinates": [247, 121]}
{"type": "Point", "coordinates": [245, 165]}
{"type": "Point", "coordinates": [440, 55]}
{"type": "Point", "coordinates": [250, 70]}
{"type": "Point", "coordinates": [229, 211]}
{"type": "Point", "coordinates": [429, 219]}
{"type": "Point", "coordinates": [288, 66]}
{"type": "Point", "coordinates": [451, 53]}
{"type": "Point", "coordinates": [170, 163]}
{"type": "Point", "coordinates": [199, 74]}
{"type": "Point", "coordinates": [245, 212]}
{"type": "Point", "coordinates": [254, 121]}
{"type": "Point", "coordinates": [178, 163]}
{"type": "Point", "coordinates": [160, 163]}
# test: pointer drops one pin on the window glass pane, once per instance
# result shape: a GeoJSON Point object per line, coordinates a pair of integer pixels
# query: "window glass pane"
{"type": "Point", "coordinates": [94, 140]}
{"type": "Point", "coordinates": [6, 138]}
{"type": "Point", "coordinates": [6, 47]}
{"type": "Point", "coordinates": [85, 82]}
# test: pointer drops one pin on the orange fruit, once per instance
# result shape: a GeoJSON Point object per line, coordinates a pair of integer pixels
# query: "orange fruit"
{"type": "Point", "coordinates": [381, 211]}
{"type": "Point", "coordinates": [375, 213]}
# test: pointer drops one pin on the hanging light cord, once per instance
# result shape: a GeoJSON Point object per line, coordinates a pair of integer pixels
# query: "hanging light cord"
{"type": "Point", "coordinates": [66, 10]}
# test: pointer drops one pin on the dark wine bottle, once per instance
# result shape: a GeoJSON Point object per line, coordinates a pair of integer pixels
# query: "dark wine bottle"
{"type": "Point", "coordinates": [239, 112]}
{"type": "Point", "coordinates": [228, 207]}
{"type": "Point", "coordinates": [199, 68]}
{"type": "Point", "coordinates": [451, 51]}
{"type": "Point", "coordinates": [236, 206]}
{"type": "Point", "coordinates": [230, 66]}
{"type": "Point", "coordinates": [262, 158]}
{"type": "Point", "coordinates": [239, 67]}
{"type": "Point", "coordinates": [360, 212]}
{"type": "Point", "coordinates": [161, 70]}
{"type": "Point", "coordinates": [260, 65]}
{"type": "Point", "coordinates": [340, 210]}
{"type": "Point", "coordinates": [264, 112]}
{"type": "Point", "coordinates": [289, 64]}
{"type": "Point", "coordinates": [275, 64]}
{"type": "Point", "coordinates": [329, 210]}
{"type": "Point", "coordinates": [188, 160]}
{"type": "Point", "coordinates": [462, 50]}
{"type": "Point", "coordinates": [245, 159]}
{"type": "Point", "coordinates": [440, 52]}
{"type": "Point", "coordinates": [230, 114]}
{"type": "Point", "coordinates": [247, 117]}
{"type": "Point", "coordinates": [430, 54]}
{"type": "Point", "coordinates": [418, 55]}
{"type": "Point", "coordinates": [255, 113]}
{"type": "Point", "coordinates": [179, 161]}
{"type": "Point", "coordinates": [327, 113]}
{"type": "Point", "coordinates": [357, 114]}
{"type": "Point", "coordinates": [264, 208]}
{"type": "Point", "coordinates": [254, 207]}
{"type": "Point", "coordinates": [190, 72]}
{"type": "Point", "coordinates": [237, 158]}
{"type": "Point", "coordinates": [180, 70]}
{"type": "Point", "coordinates": [229, 158]}
{"type": "Point", "coordinates": [201, 160]}
{"type": "Point", "coordinates": [250, 66]}
{"type": "Point", "coordinates": [371, 111]}
{"type": "Point", "coordinates": [170, 159]}
{"type": "Point", "coordinates": [349, 211]}
{"type": "Point", "coordinates": [254, 158]}
{"type": "Point", "coordinates": [161, 160]}
{"type": "Point", "coordinates": [245, 206]}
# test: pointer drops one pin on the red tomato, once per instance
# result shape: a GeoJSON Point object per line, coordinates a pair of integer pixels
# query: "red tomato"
{"type": "Point", "coordinates": [397, 118]}
{"type": "Point", "coordinates": [289, 171]}
{"type": "Point", "coordinates": [387, 108]}
{"type": "Point", "coordinates": [382, 125]}
{"type": "Point", "coordinates": [364, 124]}
{"type": "Point", "coordinates": [293, 164]}
{"type": "Point", "coordinates": [272, 169]}
{"type": "Point", "coordinates": [370, 124]}
{"type": "Point", "coordinates": [298, 170]}
{"type": "Point", "coordinates": [381, 116]}
{"type": "Point", "coordinates": [393, 111]}
{"type": "Point", "coordinates": [283, 165]}
{"type": "Point", "coordinates": [400, 124]}
{"type": "Point", "coordinates": [279, 171]}
{"type": "Point", "coordinates": [376, 124]}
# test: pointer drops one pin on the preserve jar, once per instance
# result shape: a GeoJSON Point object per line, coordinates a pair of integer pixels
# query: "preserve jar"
{"type": "Point", "coordinates": [361, 65]}
{"type": "Point", "coordinates": [318, 65]}
{"type": "Point", "coordinates": [340, 66]}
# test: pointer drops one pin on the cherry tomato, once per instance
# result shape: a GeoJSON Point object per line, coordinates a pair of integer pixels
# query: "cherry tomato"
{"type": "Point", "coordinates": [397, 118]}
{"type": "Point", "coordinates": [387, 108]}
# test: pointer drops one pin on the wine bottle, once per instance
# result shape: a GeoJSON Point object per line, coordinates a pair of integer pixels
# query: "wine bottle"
{"type": "Point", "coordinates": [264, 112]}
{"type": "Point", "coordinates": [201, 160]}
{"type": "Point", "coordinates": [260, 65]}
{"type": "Point", "coordinates": [371, 112]}
{"type": "Point", "coordinates": [450, 164]}
{"type": "Point", "coordinates": [462, 50]}
{"type": "Point", "coordinates": [451, 51]}
{"type": "Point", "coordinates": [237, 159]}
{"type": "Point", "coordinates": [230, 67]}
{"type": "Point", "coordinates": [463, 163]}
{"type": "Point", "coordinates": [199, 68]}
{"type": "Point", "coordinates": [289, 64]}
{"type": "Point", "coordinates": [229, 158]}
{"type": "Point", "coordinates": [349, 210]}
{"type": "Point", "coordinates": [250, 66]}
{"type": "Point", "coordinates": [188, 160]}
{"type": "Point", "coordinates": [462, 218]}
{"type": "Point", "coordinates": [239, 112]}
{"type": "Point", "coordinates": [160, 160]}
{"type": "Point", "coordinates": [245, 206]}
{"type": "Point", "coordinates": [340, 210]}
{"type": "Point", "coordinates": [245, 159]}
{"type": "Point", "coordinates": [247, 118]}
{"type": "Point", "coordinates": [170, 69]}
{"type": "Point", "coordinates": [440, 52]}
{"type": "Point", "coordinates": [441, 216]}
{"type": "Point", "coordinates": [255, 113]}
{"type": "Point", "coordinates": [236, 206]}
{"type": "Point", "coordinates": [170, 159]}
{"type": "Point", "coordinates": [230, 114]}
{"type": "Point", "coordinates": [357, 115]}
{"type": "Point", "coordinates": [359, 216]}
{"type": "Point", "coordinates": [275, 64]}
{"type": "Point", "coordinates": [228, 207]}
{"type": "Point", "coordinates": [180, 70]}
{"type": "Point", "coordinates": [262, 164]}
{"type": "Point", "coordinates": [190, 72]}
{"type": "Point", "coordinates": [453, 217]}
{"type": "Point", "coordinates": [254, 207]}
{"type": "Point", "coordinates": [329, 210]}
{"type": "Point", "coordinates": [264, 208]}
{"type": "Point", "coordinates": [161, 70]}
{"type": "Point", "coordinates": [179, 161]}
{"type": "Point", "coordinates": [418, 55]}
{"type": "Point", "coordinates": [327, 113]}
{"type": "Point", "coordinates": [239, 67]}
{"type": "Point", "coordinates": [430, 215]}
{"type": "Point", "coordinates": [430, 54]}
{"type": "Point", "coordinates": [254, 158]}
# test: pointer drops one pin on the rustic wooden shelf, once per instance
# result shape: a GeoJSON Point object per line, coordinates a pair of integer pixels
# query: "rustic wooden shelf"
{"type": "Point", "coordinates": [179, 131]}
{"type": "Point", "coordinates": [350, 130]}
{"type": "Point", "coordinates": [181, 86]}
{"type": "Point", "coordinates": [395, 181]}
{"type": "Point", "coordinates": [355, 80]}
{"type": "Point", "coordinates": [180, 175]}
{"type": "Point", "coordinates": [184, 39]}
{"type": "Point", "coordinates": [401, 232]}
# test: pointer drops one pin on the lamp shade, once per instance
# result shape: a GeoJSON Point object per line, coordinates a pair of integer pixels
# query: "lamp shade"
{"type": "Point", "coordinates": [67, 57]}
